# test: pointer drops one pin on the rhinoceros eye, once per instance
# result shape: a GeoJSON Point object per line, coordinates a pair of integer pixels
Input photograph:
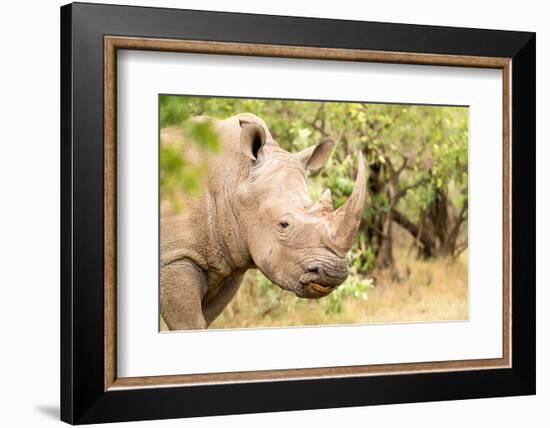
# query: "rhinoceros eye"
{"type": "Point", "coordinates": [283, 224]}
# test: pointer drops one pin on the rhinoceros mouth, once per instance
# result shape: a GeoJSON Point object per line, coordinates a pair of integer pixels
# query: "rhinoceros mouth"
{"type": "Point", "coordinates": [325, 289]}
{"type": "Point", "coordinates": [314, 290]}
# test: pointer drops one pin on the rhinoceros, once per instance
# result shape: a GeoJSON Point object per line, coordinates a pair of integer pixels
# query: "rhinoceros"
{"type": "Point", "coordinates": [255, 212]}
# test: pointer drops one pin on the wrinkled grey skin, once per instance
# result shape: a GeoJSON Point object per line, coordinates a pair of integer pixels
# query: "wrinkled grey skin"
{"type": "Point", "coordinates": [254, 213]}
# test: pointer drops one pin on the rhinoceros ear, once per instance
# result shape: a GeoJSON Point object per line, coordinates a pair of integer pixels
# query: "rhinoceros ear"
{"type": "Point", "coordinates": [315, 157]}
{"type": "Point", "coordinates": [252, 139]}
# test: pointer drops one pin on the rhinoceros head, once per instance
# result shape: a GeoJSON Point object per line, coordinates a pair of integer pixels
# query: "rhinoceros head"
{"type": "Point", "coordinates": [298, 244]}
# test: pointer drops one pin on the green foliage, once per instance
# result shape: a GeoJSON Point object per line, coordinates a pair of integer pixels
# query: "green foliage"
{"type": "Point", "coordinates": [177, 174]}
{"type": "Point", "coordinates": [353, 288]}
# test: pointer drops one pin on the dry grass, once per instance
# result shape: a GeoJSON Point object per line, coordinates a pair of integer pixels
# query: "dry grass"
{"type": "Point", "coordinates": [433, 291]}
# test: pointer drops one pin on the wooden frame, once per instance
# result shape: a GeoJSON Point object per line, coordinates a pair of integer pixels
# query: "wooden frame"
{"type": "Point", "coordinates": [112, 43]}
{"type": "Point", "coordinates": [513, 53]}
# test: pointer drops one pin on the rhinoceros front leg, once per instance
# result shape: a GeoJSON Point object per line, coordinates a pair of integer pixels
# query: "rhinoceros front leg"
{"type": "Point", "coordinates": [212, 306]}
{"type": "Point", "coordinates": [182, 285]}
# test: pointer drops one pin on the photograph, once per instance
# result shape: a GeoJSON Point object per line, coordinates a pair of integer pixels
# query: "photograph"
{"type": "Point", "coordinates": [288, 213]}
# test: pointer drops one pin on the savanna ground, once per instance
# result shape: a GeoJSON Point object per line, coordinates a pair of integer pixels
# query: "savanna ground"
{"type": "Point", "coordinates": [409, 262]}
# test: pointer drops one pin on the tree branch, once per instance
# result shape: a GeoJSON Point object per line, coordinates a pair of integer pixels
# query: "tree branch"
{"type": "Point", "coordinates": [426, 240]}
{"type": "Point", "coordinates": [403, 165]}
{"type": "Point", "coordinates": [459, 221]}
{"type": "Point", "coordinates": [403, 191]}
{"type": "Point", "coordinates": [314, 125]}
{"type": "Point", "coordinates": [460, 248]}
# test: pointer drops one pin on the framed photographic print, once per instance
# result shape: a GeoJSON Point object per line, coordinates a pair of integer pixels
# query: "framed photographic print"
{"type": "Point", "coordinates": [265, 213]}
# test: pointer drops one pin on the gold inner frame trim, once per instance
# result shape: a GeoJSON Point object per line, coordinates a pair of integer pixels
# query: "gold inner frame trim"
{"type": "Point", "coordinates": [113, 43]}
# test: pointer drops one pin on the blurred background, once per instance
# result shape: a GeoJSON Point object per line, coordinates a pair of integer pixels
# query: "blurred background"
{"type": "Point", "coordinates": [409, 262]}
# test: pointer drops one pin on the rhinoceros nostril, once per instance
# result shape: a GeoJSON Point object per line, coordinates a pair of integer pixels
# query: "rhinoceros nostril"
{"type": "Point", "coordinates": [312, 268]}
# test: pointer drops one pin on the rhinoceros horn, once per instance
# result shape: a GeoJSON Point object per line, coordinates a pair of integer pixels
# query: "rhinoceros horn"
{"type": "Point", "coordinates": [346, 219]}
{"type": "Point", "coordinates": [324, 205]}
{"type": "Point", "coordinates": [325, 202]}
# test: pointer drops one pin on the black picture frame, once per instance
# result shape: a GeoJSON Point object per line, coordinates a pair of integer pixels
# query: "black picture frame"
{"type": "Point", "coordinates": [83, 398]}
